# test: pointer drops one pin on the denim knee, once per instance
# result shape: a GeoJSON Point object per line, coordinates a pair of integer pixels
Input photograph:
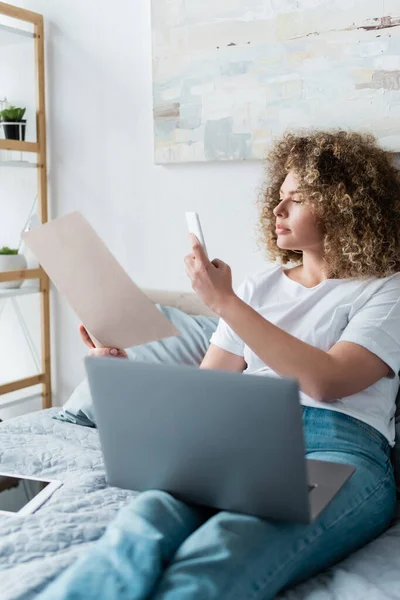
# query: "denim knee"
{"type": "Point", "coordinates": [153, 498]}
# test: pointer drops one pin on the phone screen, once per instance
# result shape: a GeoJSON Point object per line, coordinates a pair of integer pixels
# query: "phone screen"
{"type": "Point", "coordinates": [16, 492]}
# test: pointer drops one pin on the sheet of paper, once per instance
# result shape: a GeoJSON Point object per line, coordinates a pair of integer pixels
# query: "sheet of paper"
{"type": "Point", "coordinates": [109, 304]}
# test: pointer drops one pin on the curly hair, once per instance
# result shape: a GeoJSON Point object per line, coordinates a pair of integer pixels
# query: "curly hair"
{"type": "Point", "coordinates": [353, 189]}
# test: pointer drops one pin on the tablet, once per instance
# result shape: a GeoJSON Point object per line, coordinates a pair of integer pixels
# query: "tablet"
{"type": "Point", "coordinates": [22, 495]}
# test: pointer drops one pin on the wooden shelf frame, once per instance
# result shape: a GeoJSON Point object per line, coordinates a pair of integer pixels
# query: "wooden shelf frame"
{"type": "Point", "coordinates": [40, 148]}
{"type": "Point", "coordinates": [21, 14]}
{"type": "Point", "coordinates": [19, 146]}
{"type": "Point", "coordinates": [22, 275]}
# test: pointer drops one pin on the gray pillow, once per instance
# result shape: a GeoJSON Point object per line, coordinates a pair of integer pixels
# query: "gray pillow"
{"type": "Point", "coordinates": [188, 348]}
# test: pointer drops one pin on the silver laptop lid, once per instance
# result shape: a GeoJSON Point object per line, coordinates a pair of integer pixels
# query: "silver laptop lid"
{"type": "Point", "coordinates": [217, 438]}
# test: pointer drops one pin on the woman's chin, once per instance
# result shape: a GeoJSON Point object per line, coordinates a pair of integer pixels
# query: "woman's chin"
{"type": "Point", "coordinates": [281, 244]}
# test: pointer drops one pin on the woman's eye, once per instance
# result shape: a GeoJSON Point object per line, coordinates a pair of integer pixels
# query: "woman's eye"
{"type": "Point", "coordinates": [295, 201]}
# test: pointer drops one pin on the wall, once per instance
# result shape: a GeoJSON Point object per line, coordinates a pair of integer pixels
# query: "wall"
{"type": "Point", "coordinates": [100, 142]}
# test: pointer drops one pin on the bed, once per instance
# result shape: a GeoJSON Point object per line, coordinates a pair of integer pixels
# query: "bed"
{"type": "Point", "coordinates": [35, 548]}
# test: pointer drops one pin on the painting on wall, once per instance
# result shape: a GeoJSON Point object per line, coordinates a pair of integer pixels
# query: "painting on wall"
{"type": "Point", "coordinates": [229, 76]}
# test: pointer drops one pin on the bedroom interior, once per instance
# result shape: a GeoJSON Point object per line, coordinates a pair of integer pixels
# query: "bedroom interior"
{"type": "Point", "coordinates": [135, 114]}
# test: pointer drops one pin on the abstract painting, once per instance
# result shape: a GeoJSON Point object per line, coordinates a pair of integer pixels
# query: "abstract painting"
{"type": "Point", "coordinates": [230, 76]}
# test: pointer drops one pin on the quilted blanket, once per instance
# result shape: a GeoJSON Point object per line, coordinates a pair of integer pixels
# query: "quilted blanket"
{"type": "Point", "coordinates": [35, 548]}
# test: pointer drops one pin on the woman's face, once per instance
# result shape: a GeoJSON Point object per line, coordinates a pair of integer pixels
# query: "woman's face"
{"type": "Point", "coordinates": [296, 225]}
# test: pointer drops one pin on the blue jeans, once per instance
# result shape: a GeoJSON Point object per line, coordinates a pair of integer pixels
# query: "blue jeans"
{"type": "Point", "coordinates": [158, 547]}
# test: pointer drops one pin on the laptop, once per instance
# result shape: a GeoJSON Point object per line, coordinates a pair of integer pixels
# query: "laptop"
{"type": "Point", "coordinates": [225, 440]}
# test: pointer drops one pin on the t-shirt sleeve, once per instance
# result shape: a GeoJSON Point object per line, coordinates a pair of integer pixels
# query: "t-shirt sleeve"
{"type": "Point", "coordinates": [376, 324]}
{"type": "Point", "coordinates": [224, 337]}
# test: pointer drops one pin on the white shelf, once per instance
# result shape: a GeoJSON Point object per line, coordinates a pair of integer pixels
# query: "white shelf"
{"type": "Point", "coordinates": [14, 35]}
{"type": "Point", "coordinates": [22, 291]}
{"type": "Point", "coordinates": [22, 164]}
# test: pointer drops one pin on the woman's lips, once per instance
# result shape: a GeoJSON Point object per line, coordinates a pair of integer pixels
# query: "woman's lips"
{"type": "Point", "coordinates": [280, 229]}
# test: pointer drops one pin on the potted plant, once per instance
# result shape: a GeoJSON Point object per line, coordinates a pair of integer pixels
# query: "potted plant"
{"type": "Point", "coordinates": [10, 260]}
{"type": "Point", "coordinates": [13, 122]}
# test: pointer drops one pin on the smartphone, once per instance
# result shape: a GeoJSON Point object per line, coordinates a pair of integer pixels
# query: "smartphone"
{"type": "Point", "coordinates": [20, 495]}
{"type": "Point", "coordinates": [194, 226]}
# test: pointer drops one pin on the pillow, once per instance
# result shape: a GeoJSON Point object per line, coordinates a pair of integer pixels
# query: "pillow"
{"type": "Point", "coordinates": [188, 348]}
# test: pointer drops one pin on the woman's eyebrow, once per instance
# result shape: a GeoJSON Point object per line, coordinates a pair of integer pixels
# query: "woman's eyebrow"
{"type": "Point", "coordinates": [290, 193]}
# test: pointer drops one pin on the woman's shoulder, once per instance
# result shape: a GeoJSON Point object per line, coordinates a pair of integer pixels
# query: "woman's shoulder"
{"type": "Point", "coordinates": [388, 286]}
{"type": "Point", "coordinates": [376, 291]}
{"type": "Point", "coordinates": [257, 279]}
{"type": "Point", "coordinates": [373, 284]}
{"type": "Point", "coordinates": [258, 276]}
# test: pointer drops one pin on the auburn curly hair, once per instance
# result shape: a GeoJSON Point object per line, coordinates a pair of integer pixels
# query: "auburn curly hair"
{"type": "Point", "coordinates": [352, 187]}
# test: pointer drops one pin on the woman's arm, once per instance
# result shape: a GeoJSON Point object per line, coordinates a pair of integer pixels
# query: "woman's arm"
{"type": "Point", "coordinates": [345, 369]}
{"type": "Point", "coordinates": [218, 358]}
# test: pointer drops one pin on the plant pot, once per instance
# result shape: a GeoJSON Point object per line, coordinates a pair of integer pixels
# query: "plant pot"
{"type": "Point", "coordinates": [14, 131]}
{"type": "Point", "coordinates": [12, 262]}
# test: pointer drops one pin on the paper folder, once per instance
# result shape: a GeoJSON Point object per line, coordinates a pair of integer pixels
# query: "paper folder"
{"type": "Point", "coordinates": [114, 310]}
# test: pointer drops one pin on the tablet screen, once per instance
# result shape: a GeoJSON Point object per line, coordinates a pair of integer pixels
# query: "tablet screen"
{"type": "Point", "coordinates": [16, 492]}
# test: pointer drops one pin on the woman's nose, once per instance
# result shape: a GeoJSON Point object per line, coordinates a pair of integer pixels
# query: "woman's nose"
{"type": "Point", "coordinates": [279, 209]}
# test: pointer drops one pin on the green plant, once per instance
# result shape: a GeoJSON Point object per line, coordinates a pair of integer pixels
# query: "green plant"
{"type": "Point", "coordinates": [7, 250]}
{"type": "Point", "coordinates": [12, 113]}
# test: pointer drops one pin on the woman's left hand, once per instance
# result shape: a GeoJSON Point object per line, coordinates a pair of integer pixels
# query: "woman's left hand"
{"type": "Point", "coordinates": [211, 280]}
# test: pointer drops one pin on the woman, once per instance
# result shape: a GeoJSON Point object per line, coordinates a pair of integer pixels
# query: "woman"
{"type": "Point", "coordinates": [332, 206]}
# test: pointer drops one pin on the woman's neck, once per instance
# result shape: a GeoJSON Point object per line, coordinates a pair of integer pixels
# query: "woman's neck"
{"type": "Point", "coordinates": [311, 272]}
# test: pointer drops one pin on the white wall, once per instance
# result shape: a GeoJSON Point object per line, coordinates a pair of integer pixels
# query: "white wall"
{"type": "Point", "coordinates": [100, 141]}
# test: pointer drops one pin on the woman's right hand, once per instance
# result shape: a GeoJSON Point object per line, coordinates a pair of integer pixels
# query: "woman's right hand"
{"type": "Point", "coordinates": [114, 352]}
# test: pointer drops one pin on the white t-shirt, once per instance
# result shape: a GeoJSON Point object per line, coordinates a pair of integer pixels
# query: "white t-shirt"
{"type": "Point", "coordinates": [366, 312]}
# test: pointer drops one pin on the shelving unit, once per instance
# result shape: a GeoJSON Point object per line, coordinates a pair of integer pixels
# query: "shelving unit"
{"type": "Point", "coordinates": [12, 293]}
{"type": "Point", "coordinates": [8, 33]}
{"type": "Point", "coordinates": [21, 164]}
{"type": "Point", "coordinates": [11, 34]}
